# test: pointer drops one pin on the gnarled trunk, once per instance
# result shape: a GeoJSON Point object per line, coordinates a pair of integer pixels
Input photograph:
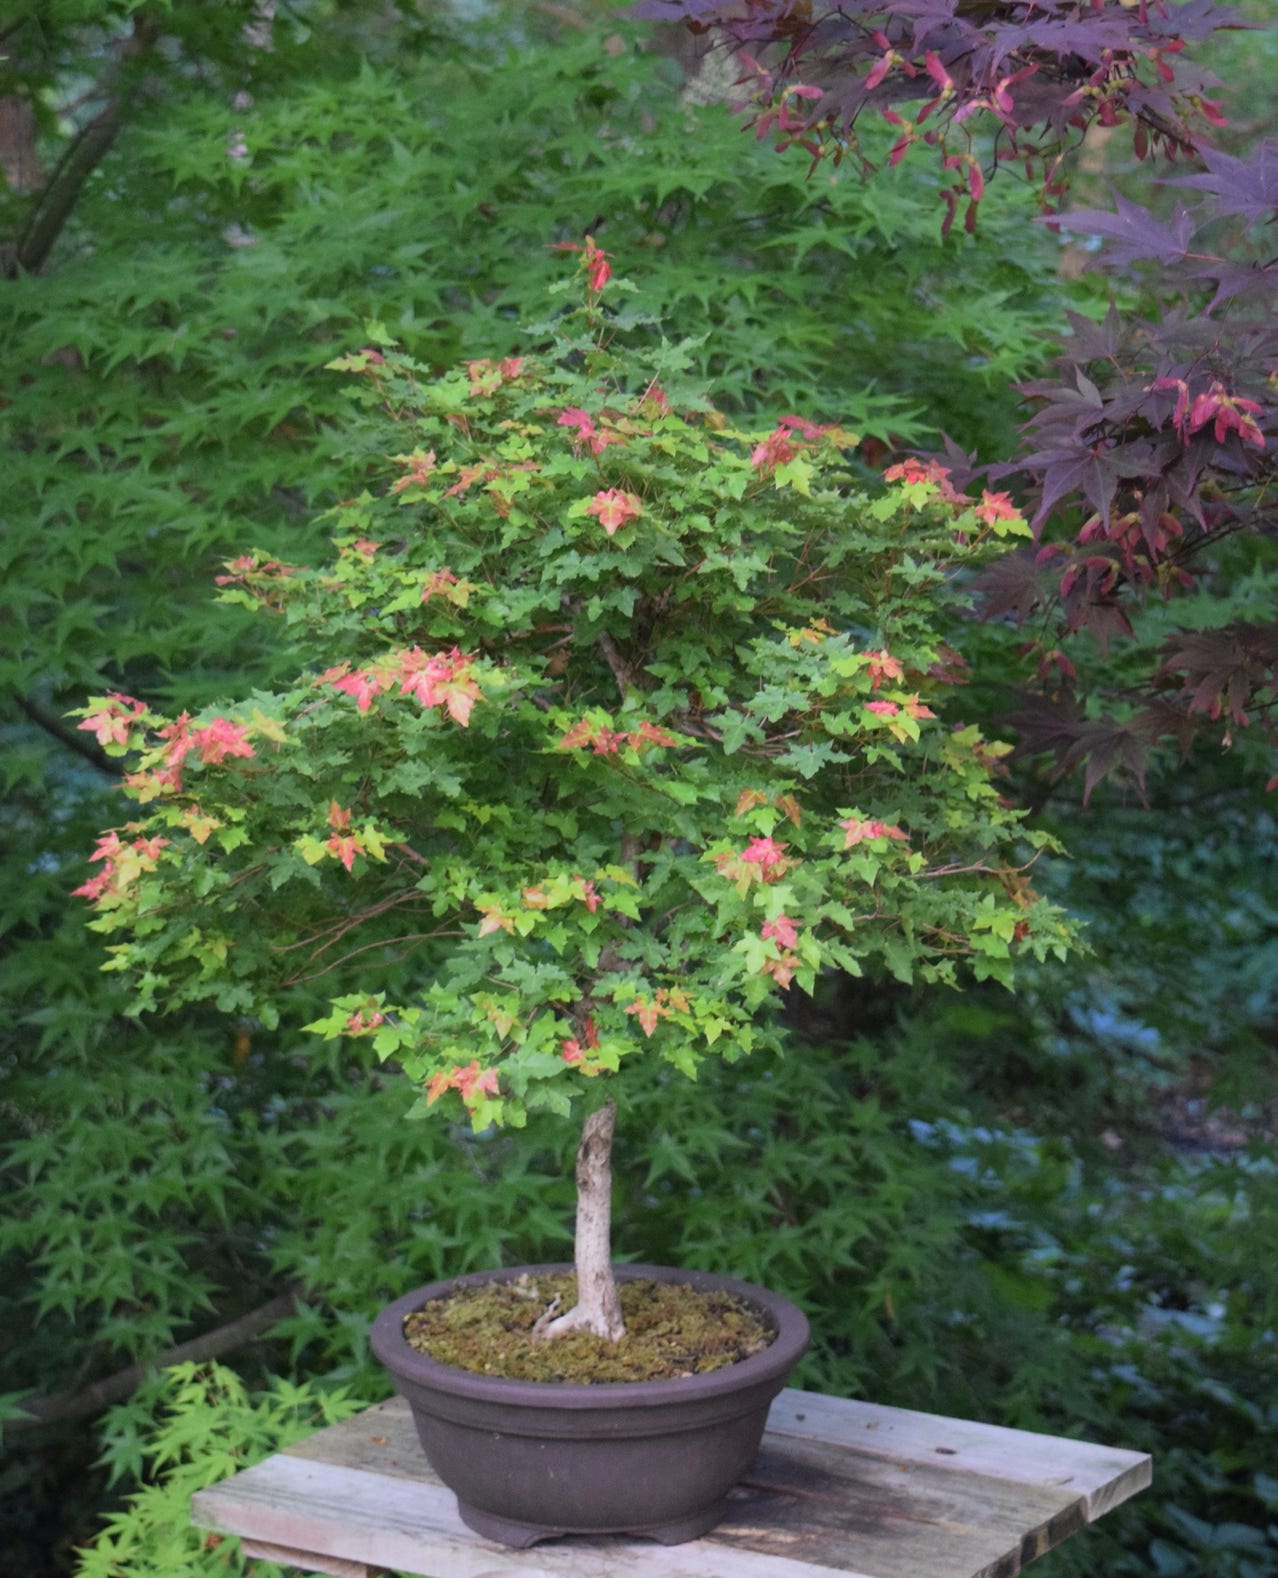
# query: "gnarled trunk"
{"type": "Point", "coordinates": [598, 1308]}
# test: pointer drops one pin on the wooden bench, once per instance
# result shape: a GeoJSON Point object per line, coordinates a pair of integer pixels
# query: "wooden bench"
{"type": "Point", "coordinates": [839, 1488]}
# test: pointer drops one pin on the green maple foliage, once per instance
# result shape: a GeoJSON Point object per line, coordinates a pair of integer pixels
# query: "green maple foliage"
{"type": "Point", "coordinates": [614, 720]}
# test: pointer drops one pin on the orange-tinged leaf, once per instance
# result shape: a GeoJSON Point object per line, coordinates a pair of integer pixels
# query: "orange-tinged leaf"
{"type": "Point", "coordinates": [648, 1014]}
{"type": "Point", "coordinates": [789, 807]}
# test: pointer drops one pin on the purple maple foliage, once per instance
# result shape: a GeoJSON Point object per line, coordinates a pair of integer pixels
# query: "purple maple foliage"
{"type": "Point", "coordinates": [1036, 72]}
{"type": "Point", "coordinates": [1153, 442]}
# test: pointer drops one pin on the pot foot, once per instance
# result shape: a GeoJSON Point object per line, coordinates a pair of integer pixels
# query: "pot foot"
{"type": "Point", "coordinates": [504, 1531]}
{"type": "Point", "coordinates": [519, 1536]}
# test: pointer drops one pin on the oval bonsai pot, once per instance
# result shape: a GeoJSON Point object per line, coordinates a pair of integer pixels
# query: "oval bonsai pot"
{"type": "Point", "coordinates": [531, 1460]}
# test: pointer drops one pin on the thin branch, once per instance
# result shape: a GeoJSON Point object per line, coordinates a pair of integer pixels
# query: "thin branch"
{"type": "Point", "coordinates": [326, 936]}
{"type": "Point", "coordinates": [59, 1406]}
{"type": "Point", "coordinates": [81, 744]}
{"type": "Point", "coordinates": [53, 208]}
{"type": "Point", "coordinates": [409, 853]}
{"type": "Point", "coordinates": [615, 662]}
{"type": "Point", "coordinates": [382, 942]}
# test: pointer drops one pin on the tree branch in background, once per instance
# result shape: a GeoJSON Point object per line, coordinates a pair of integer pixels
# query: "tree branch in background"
{"type": "Point", "coordinates": [71, 738]}
{"type": "Point", "coordinates": [60, 1406]}
{"type": "Point", "coordinates": [53, 207]}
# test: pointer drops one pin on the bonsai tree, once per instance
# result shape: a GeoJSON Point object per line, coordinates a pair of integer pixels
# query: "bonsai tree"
{"type": "Point", "coordinates": [612, 725]}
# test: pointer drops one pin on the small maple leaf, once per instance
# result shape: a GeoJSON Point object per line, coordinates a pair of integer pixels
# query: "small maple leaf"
{"type": "Point", "coordinates": [649, 1014]}
{"type": "Point", "coordinates": [781, 969]}
{"type": "Point", "coordinates": [856, 831]}
{"type": "Point", "coordinates": [437, 1084]}
{"type": "Point", "coordinates": [764, 853]}
{"type": "Point", "coordinates": [472, 1081]}
{"type": "Point", "coordinates": [649, 734]}
{"type": "Point", "coordinates": [443, 680]}
{"type": "Point", "coordinates": [883, 666]}
{"type": "Point", "coordinates": [420, 463]}
{"type": "Point", "coordinates": [437, 582]}
{"type": "Point", "coordinates": [111, 724]}
{"type": "Point", "coordinates": [363, 1022]}
{"type": "Point", "coordinates": [495, 919]}
{"type": "Point", "coordinates": [614, 508]}
{"type": "Point", "coordinates": [220, 739]}
{"type": "Point", "coordinates": [781, 931]}
{"type": "Point", "coordinates": [345, 847]}
{"type": "Point", "coordinates": [106, 882]}
{"type": "Point", "coordinates": [363, 685]}
{"type": "Point", "coordinates": [595, 260]}
{"type": "Point", "coordinates": [198, 825]}
{"type": "Point", "coordinates": [95, 887]}
{"type": "Point", "coordinates": [459, 697]}
{"type": "Point", "coordinates": [930, 471]}
{"type": "Point", "coordinates": [995, 507]}
{"type": "Point", "coordinates": [178, 735]}
{"type": "Point", "coordinates": [775, 450]}
{"type": "Point", "coordinates": [574, 416]}
{"type": "Point", "coordinates": [469, 1082]}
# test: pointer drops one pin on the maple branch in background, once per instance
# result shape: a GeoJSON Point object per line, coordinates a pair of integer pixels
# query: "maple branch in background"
{"type": "Point", "coordinates": [54, 203]}
{"type": "Point", "coordinates": [943, 71]}
{"type": "Point", "coordinates": [101, 1394]}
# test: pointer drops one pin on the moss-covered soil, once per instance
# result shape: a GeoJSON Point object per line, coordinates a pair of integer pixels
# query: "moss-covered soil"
{"type": "Point", "coordinates": [671, 1330]}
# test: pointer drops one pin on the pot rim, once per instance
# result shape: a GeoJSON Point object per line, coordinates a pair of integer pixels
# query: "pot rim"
{"type": "Point", "coordinates": [392, 1348]}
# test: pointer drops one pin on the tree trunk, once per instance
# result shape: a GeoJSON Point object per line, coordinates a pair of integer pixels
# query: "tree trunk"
{"type": "Point", "coordinates": [598, 1308]}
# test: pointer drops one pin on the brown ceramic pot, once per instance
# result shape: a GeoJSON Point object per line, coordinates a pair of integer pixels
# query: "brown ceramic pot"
{"type": "Point", "coordinates": [530, 1460]}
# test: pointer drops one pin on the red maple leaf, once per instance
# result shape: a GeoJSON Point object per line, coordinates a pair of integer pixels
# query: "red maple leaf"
{"type": "Point", "coordinates": [764, 853]}
{"type": "Point", "coordinates": [220, 739]}
{"type": "Point", "coordinates": [856, 831]}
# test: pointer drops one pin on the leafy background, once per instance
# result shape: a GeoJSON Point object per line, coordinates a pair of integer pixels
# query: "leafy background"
{"type": "Point", "coordinates": [1056, 1211]}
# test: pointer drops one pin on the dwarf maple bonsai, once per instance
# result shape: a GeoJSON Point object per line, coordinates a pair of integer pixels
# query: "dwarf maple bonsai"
{"type": "Point", "coordinates": [612, 725]}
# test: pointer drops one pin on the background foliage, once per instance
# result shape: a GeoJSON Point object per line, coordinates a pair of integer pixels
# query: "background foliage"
{"type": "Point", "coordinates": [1037, 1211]}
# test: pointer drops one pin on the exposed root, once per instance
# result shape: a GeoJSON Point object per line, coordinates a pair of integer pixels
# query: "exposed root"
{"type": "Point", "coordinates": [597, 1322]}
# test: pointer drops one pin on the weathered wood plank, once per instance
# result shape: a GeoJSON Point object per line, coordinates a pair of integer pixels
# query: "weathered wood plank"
{"type": "Point", "coordinates": [840, 1490]}
{"type": "Point", "coordinates": [1102, 1475]}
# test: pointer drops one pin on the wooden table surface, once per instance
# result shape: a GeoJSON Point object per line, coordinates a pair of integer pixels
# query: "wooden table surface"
{"type": "Point", "coordinates": [840, 1490]}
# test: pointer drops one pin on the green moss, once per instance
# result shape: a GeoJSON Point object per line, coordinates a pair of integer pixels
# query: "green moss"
{"type": "Point", "coordinates": [671, 1330]}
